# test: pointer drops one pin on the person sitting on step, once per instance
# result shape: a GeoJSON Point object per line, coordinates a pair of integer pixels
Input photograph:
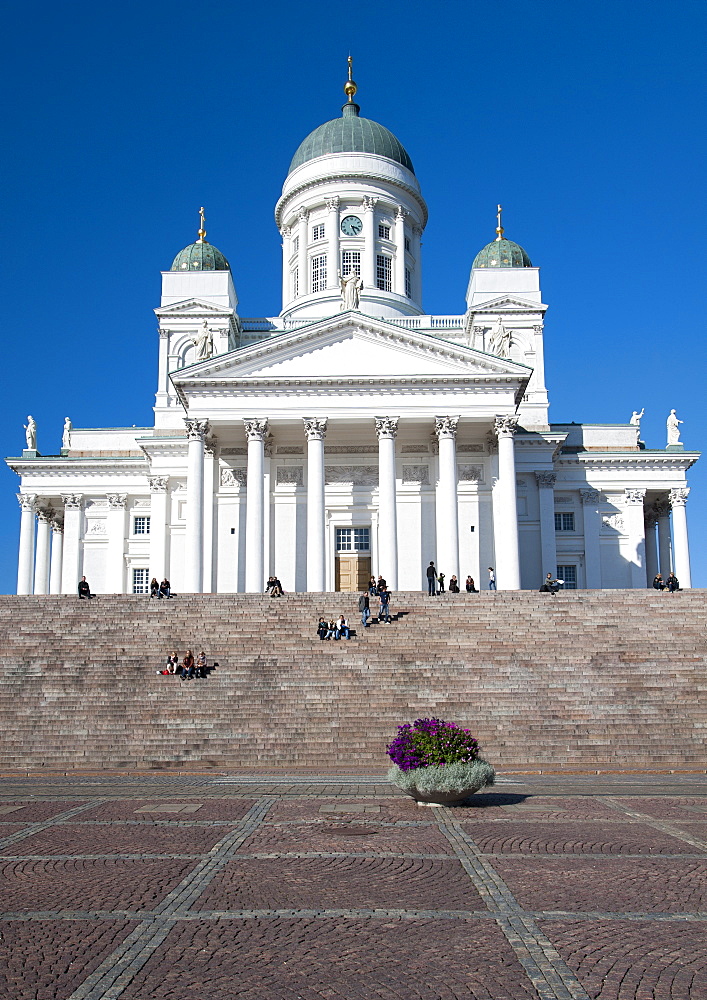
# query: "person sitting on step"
{"type": "Point", "coordinates": [672, 583]}
{"type": "Point", "coordinates": [322, 628]}
{"type": "Point", "coordinates": [658, 582]}
{"type": "Point", "coordinates": [188, 669]}
{"type": "Point", "coordinates": [277, 590]}
{"type": "Point", "coordinates": [453, 584]}
{"type": "Point", "coordinates": [84, 589]}
{"type": "Point", "coordinates": [331, 629]}
{"type": "Point", "coordinates": [470, 585]}
{"type": "Point", "coordinates": [173, 662]}
{"type": "Point", "coordinates": [201, 668]}
{"type": "Point", "coordinates": [372, 589]}
{"type": "Point", "coordinates": [165, 589]}
{"type": "Point", "coordinates": [154, 587]}
{"type": "Point", "coordinates": [342, 627]}
{"type": "Point", "coordinates": [550, 586]}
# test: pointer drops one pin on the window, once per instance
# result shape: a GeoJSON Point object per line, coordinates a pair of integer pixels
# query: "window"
{"type": "Point", "coordinates": [319, 273]}
{"type": "Point", "coordinates": [564, 520]}
{"type": "Point", "coordinates": [407, 243]}
{"type": "Point", "coordinates": [353, 539]}
{"type": "Point", "coordinates": [383, 231]}
{"type": "Point", "coordinates": [351, 261]}
{"type": "Point", "coordinates": [295, 282]}
{"type": "Point", "coordinates": [295, 244]}
{"type": "Point", "coordinates": [141, 526]}
{"type": "Point", "coordinates": [384, 272]}
{"type": "Point", "coordinates": [141, 582]}
{"type": "Point", "coordinates": [569, 575]}
{"type": "Point", "coordinates": [408, 283]}
{"type": "Point", "coordinates": [318, 232]}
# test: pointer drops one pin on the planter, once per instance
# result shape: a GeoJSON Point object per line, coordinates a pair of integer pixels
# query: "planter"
{"type": "Point", "coordinates": [443, 785]}
{"type": "Point", "coordinates": [440, 798]}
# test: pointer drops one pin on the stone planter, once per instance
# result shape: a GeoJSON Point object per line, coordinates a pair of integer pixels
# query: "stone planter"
{"type": "Point", "coordinates": [427, 785]}
{"type": "Point", "coordinates": [441, 798]}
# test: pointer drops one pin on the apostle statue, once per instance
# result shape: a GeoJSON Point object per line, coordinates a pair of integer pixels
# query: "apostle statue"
{"type": "Point", "coordinates": [66, 435]}
{"type": "Point", "coordinates": [204, 342]}
{"type": "Point", "coordinates": [31, 433]}
{"type": "Point", "coordinates": [672, 425]}
{"type": "Point", "coordinates": [635, 420]}
{"type": "Point", "coordinates": [500, 342]}
{"type": "Point", "coordinates": [351, 287]}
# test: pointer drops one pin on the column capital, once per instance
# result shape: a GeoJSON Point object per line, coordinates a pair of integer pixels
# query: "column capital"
{"type": "Point", "coordinates": [302, 214]}
{"type": "Point", "coordinates": [401, 213]}
{"type": "Point", "coordinates": [256, 429]}
{"type": "Point", "coordinates": [211, 445]}
{"type": "Point", "coordinates": [634, 497]}
{"type": "Point", "coordinates": [285, 232]}
{"type": "Point", "coordinates": [545, 480]}
{"type": "Point", "coordinates": [679, 495]}
{"type": "Point", "coordinates": [45, 514]}
{"type": "Point", "coordinates": [446, 427]}
{"type": "Point", "coordinates": [662, 508]}
{"type": "Point", "coordinates": [332, 204]}
{"type": "Point", "coordinates": [386, 427]}
{"type": "Point", "coordinates": [196, 429]}
{"type": "Point", "coordinates": [164, 333]}
{"type": "Point", "coordinates": [158, 484]}
{"type": "Point", "coordinates": [72, 501]}
{"type": "Point", "coordinates": [590, 497]}
{"type": "Point", "coordinates": [315, 428]}
{"type": "Point", "coordinates": [369, 203]}
{"type": "Point", "coordinates": [27, 501]}
{"type": "Point", "coordinates": [117, 501]}
{"type": "Point", "coordinates": [505, 425]}
{"type": "Point", "coordinates": [538, 328]}
{"type": "Point", "coordinates": [58, 527]}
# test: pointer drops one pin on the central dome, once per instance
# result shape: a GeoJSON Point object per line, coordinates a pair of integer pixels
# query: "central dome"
{"type": "Point", "coordinates": [351, 134]}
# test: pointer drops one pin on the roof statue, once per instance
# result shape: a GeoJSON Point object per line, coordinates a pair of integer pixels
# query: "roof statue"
{"type": "Point", "coordinates": [672, 426]}
{"type": "Point", "coordinates": [351, 286]}
{"type": "Point", "coordinates": [31, 433]}
{"type": "Point", "coordinates": [635, 420]}
{"type": "Point", "coordinates": [66, 433]}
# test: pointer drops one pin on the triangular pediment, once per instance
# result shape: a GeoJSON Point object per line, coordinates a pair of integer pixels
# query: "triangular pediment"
{"type": "Point", "coordinates": [350, 347]}
{"type": "Point", "coordinates": [508, 304]}
{"type": "Point", "coordinates": [193, 306]}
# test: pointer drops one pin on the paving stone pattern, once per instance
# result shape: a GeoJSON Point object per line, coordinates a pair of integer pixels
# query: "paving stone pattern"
{"type": "Point", "coordinates": [304, 896]}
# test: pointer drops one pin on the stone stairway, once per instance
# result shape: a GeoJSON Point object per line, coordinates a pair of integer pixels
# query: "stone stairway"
{"type": "Point", "coordinates": [582, 681]}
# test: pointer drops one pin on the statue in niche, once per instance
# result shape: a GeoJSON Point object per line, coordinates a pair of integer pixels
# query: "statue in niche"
{"type": "Point", "coordinates": [351, 287]}
{"type": "Point", "coordinates": [204, 342]}
{"type": "Point", "coordinates": [66, 434]}
{"type": "Point", "coordinates": [31, 433]}
{"type": "Point", "coordinates": [635, 420]}
{"type": "Point", "coordinates": [500, 343]}
{"type": "Point", "coordinates": [673, 428]}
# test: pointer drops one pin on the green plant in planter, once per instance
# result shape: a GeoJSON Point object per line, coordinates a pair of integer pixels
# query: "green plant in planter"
{"type": "Point", "coordinates": [431, 756]}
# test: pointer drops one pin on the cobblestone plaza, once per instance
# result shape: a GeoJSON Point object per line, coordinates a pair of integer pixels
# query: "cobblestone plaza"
{"type": "Point", "coordinates": [304, 886]}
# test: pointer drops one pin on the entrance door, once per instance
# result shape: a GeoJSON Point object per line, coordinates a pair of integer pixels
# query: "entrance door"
{"type": "Point", "coordinates": [353, 559]}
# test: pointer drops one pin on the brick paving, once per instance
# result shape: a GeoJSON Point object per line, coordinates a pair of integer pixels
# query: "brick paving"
{"type": "Point", "coordinates": [313, 886]}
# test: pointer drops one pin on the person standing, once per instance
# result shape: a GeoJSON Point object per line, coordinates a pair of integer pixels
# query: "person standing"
{"type": "Point", "coordinates": [384, 614]}
{"type": "Point", "coordinates": [440, 581]}
{"type": "Point", "coordinates": [364, 606]}
{"type": "Point", "coordinates": [492, 578]}
{"type": "Point", "coordinates": [431, 580]}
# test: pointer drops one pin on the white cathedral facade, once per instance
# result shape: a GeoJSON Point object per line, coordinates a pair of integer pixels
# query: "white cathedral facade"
{"type": "Point", "coordinates": [352, 434]}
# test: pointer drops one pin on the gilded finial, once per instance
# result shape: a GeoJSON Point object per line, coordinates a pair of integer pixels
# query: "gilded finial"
{"type": "Point", "coordinates": [202, 230]}
{"type": "Point", "coordinates": [350, 87]}
{"type": "Point", "coordinates": [499, 228]}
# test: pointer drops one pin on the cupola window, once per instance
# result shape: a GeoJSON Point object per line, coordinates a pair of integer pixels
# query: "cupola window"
{"type": "Point", "coordinates": [408, 283]}
{"type": "Point", "coordinates": [295, 282]}
{"type": "Point", "coordinates": [383, 231]}
{"type": "Point", "coordinates": [295, 244]}
{"type": "Point", "coordinates": [384, 272]}
{"type": "Point", "coordinates": [407, 243]}
{"type": "Point", "coordinates": [351, 261]}
{"type": "Point", "coordinates": [319, 273]}
{"type": "Point", "coordinates": [318, 232]}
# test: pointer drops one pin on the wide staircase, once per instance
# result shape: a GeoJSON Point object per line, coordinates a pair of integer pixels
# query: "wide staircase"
{"type": "Point", "coordinates": [583, 681]}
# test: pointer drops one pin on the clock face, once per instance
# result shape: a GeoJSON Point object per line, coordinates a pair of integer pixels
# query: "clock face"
{"type": "Point", "coordinates": [351, 225]}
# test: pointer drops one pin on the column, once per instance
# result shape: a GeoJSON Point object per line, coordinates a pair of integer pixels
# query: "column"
{"type": "Point", "coordinates": [447, 506]}
{"type": "Point", "coordinates": [57, 557]}
{"type": "Point", "coordinates": [505, 512]}
{"type": "Point", "coordinates": [25, 562]}
{"type": "Point", "coordinates": [115, 568]}
{"type": "Point", "coordinates": [417, 255]}
{"type": "Point", "coordinates": [548, 547]}
{"type": "Point", "coordinates": [592, 538]}
{"type": "Point", "coordinates": [332, 233]}
{"type": "Point", "coordinates": [71, 564]}
{"type": "Point", "coordinates": [368, 264]}
{"type": "Point", "coordinates": [287, 290]}
{"type": "Point", "coordinates": [662, 509]}
{"type": "Point", "coordinates": [650, 521]}
{"type": "Point", "coordinates": [315, 429]}
{"type": "Point", "coordinates": [681, 548]}
{"type": "Point", "coordinates": [399, 280]}
{"type": "Point", "coordinates": [635, 529]}
{"type": "Point", "coordinates": [256, 431]}
{"type": "Point", "coordinates": [41, 562]}
{"type": "Point", "coordinates": [210, 468]}
{"type": "Point", "coordinates": [194, 541]}
{"type": "Point", "coordinates": [387, 429]}
{"type": "Point", "coordinates": [159, 497]}
{"type": "Point", "coordinates": [302, 217]}
{"type": "Point", "coordinates": [162, 398]}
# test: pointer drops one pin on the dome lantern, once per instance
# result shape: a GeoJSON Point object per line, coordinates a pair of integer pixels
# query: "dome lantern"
{"type": "Point", "coordinates": [501, 252]}
{"type": "Point", "coordinates": [202, 255]}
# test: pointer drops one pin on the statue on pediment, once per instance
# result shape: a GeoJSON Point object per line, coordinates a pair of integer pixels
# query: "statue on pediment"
{"type": "Point", "coordinates": [204, 342]}
{"type": "Point", "coordinates": [673, 428]}
{"type": "Point", "coordinates": [351, 286]}
{"type": "Point", "coordinates": [66, 434]}
{"type": "Point", "coordinates": [635, 420]}
{"type": "Point", "coordinates": [500, 343]}
{"type": "Point", "coordinates": [31, 433]}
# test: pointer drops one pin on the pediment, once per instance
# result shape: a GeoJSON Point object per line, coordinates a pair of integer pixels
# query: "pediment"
{"type": "Point", "coordinates": [351, 347]}
{"type": "Point", "coordinates": [509, 304]}
{"type": "Point", "coordinates": [193, 307]}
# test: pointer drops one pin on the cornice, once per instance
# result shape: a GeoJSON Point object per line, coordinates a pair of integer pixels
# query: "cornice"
{"type": "Point", "coordinates": [72, 466]}
{"type": "Point", "coordinates": [636, 459]}
{"type": "Point", "coordinates": [351, 175]}
{"type": "Point", "coordinates": [194, 307]}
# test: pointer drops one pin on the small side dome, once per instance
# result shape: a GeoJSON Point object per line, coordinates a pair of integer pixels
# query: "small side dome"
{"type": "Point", "coordinates": [200, 256]}
{"type": "Point", "coordinates": [502, 252]}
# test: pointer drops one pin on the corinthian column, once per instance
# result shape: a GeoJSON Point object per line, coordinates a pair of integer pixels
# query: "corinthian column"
{"type": "Point", "coordinates": [25, 562]}
{"type": "Point", "coordinates": [256, 431]}
{"type": "Point", "coordinates": [387, 429]}
{"type": "Point", "coordinates": [302, 219]}
{"type": "Point", "coordinates": [651, 519]}
{"type": "Point", "coordinates": [447, 505]}
{"type": "Point", "coordinates": [368, 264]}
{"type": "Point", "coordinates": [159, 498]}
{"type": "Point", "coordinates": [41, 563]}
{"type": "Point", "coordinates": [633, 507]}
{"type": "Point", "coordinates": [56, 558]}
{"type": "Point", "coordinates": [662, 509]}
{"type": "Point", "coordinates": [194, 542]}
{"type": "Point", "coordinates": [73, 511]}
{"type": "Point", "coordinates": [115, 569]}
{"type": "Point", "coordinates": [332, 232]}
{"type": "Point", "coordinates": [681, 547]}
{"type": "Point", "coordinates": [315, 429]}
{"type": "Point", "coordinates": [505, 508]}
{"type": "Point", "coordinates": [399, 284]}
{"type": "Point", "coordinates": [592, 538]}
{"type": "Point", "coordinates": [546, 499]}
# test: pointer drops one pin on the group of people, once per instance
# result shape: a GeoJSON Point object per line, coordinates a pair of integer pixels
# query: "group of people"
{"type": "Point", "coordinates": [160, 590]}
{"type": "Point", "coordinates": [339, 629]}
{"type": "Point", "coordinates": [436, 582]}
{"type": "Point", "coordinates": [376, 588]}
{"type": "Point", "coordinates": [190, 668]}
{"type": "Point", "coordinates": [671, 584]}
{"type": "Point", "coordinates": [274, 587]}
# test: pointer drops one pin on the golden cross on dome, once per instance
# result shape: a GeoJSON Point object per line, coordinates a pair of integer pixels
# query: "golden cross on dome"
{"type": "Point", "coordinates": [202, 230]}
{"type": "Point", "coordinates": [350, 87]}
{"type": "Point", "coordinates": [499, 228]}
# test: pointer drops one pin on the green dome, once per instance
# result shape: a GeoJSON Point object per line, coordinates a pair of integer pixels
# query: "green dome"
{"type": "Point", "coordinates": [502, 253]}
{"type": "Point", "coordinates": [351, 134]}
{"type": "Point", "coordinates": [200, 256]}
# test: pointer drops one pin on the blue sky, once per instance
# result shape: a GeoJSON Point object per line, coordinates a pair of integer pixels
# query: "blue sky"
{"type": "Point", "coordinates": [586, 120]}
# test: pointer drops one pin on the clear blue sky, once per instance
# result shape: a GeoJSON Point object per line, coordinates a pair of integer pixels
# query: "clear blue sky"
{"type": "Point", "coordinates": [586, 120]}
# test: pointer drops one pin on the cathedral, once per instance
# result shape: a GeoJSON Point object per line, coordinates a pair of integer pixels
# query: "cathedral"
{"type": "Point", "coordinates": [352, 434]}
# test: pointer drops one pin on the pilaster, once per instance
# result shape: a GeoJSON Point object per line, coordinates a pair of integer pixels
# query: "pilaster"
{"type": "Point", "coordinates": [681, 547]}
{"type": "Point", "coordinates": [314, 430]}
{"type": "Point", "coordinates": [71, 569]}
{"type": "Point", "coordinates": [633, 507]}
{"type": "Point", "coordinates": [386, 431]}
{"type": "Point", "coordinates": [332, 232]}
{"type": "Point", "coordinates": [197, 431]}
{"type": "Point", "coordinates": [546, 500]}
{"type": "Point", "coordinates": [505, 514]}
{"type": "Point", "coordinates": [447, 504]}
{"type": "Point", "coordinates": [399, 283]}
{"type": "Point", "coordinates": [159, 497]}
{"type": "Point", "coordinates": [368, 264]}
{"type": "Point", "coordinates": [592, 538]}
{"type": "Point", "coordinates": [256, 431]}
{"type": "Point", "coordinates": [115, 570]}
